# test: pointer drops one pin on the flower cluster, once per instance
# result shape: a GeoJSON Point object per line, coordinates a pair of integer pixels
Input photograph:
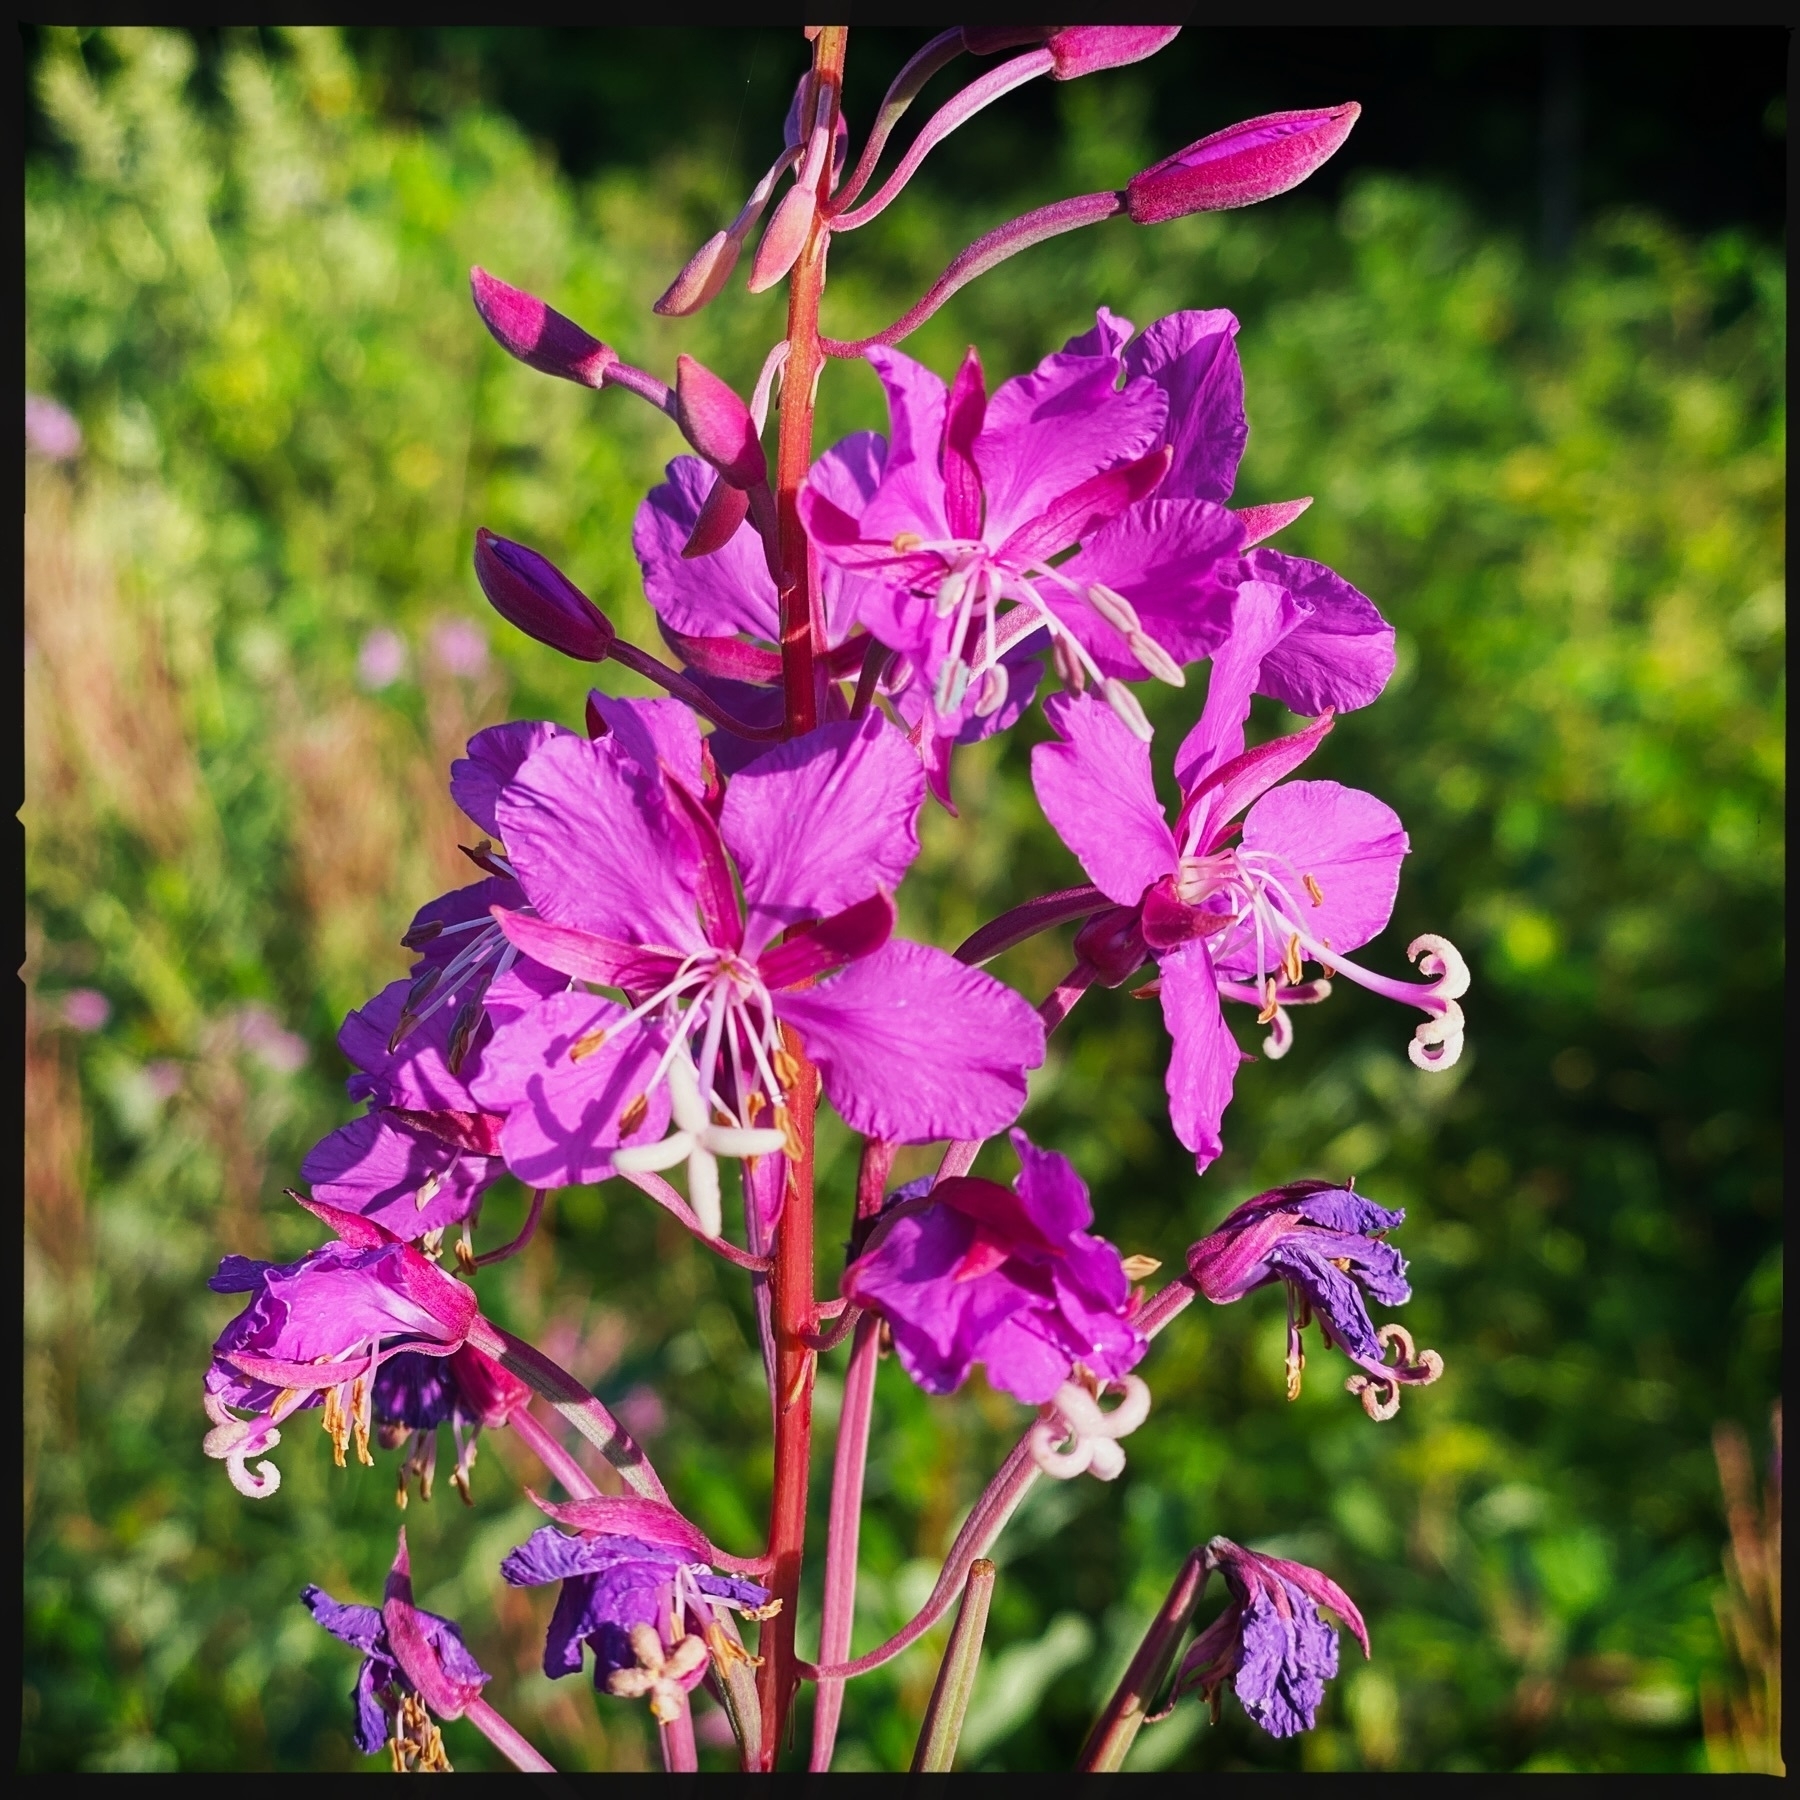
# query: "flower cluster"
{"type": "Point", "coordinates": [684, 937]}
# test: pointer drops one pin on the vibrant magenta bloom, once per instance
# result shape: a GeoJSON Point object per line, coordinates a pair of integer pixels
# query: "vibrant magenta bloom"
{"type": "Point", "coordinates": [636, 1568]}
{"type": "Point", "coordinates": [315, 1332]}
{"type": "Point", "coordinates": [1240, 165]}
{"type": "Point", "coordinates": [635, 882]}
{"type": "Point", "coordinates": [1270, 1642]}
{"type": "Point", "coordinates": [1325, 1244]}
{"type": "Point", "coordinates": [973, 1272]}
{"type": "Point", "coordinates": [976, 499]}
{"type": "Point", "coordinates": [1313, 874]}
{"type": "Point", "coordinates": [408, 1654]}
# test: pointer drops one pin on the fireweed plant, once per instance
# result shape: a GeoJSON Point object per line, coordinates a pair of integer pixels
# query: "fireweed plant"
{"type": "Point", "coordinates": [684, 935]}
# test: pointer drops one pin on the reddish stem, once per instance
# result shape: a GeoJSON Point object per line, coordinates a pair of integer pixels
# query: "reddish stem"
{"type": "Point", "coordinates": [505, 1739]}
{"type": "Point", "coordinates": [676, 1740]}
{"type": "Point", "coordinates": [838, 1612]}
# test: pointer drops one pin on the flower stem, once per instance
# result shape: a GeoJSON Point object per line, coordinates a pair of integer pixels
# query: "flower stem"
{"type": "Point", "coordinates": [505, 1739]}
{"type": "Point", "coordinates": [539, 1440]}
{"type": "Point", "coordinates": [676, 1740]}
{"type": "Point", "coordinates": [943, 1724]}
{"type": "Point", "coordinates": [795, 1365]}
{"type": "Point", "coordinates": [1118, 1725]}
{"type": "Point", "coordinates": [838, 1612]}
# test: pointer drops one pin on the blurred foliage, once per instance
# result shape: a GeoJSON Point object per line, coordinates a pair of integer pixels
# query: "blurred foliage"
{"type": "Point", "coordinates": [1564, 489]}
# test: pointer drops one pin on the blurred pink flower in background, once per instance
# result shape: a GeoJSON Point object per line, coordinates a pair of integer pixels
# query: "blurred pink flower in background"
{"type": "Point", "coordinates": [164, 1078]}
{"type": "Point", "coordinates": [382, 659]}
{"type": "Point", "coordinates": [50, 429]}
{"type": "Point", "coordinates": [86, 1009]}
{"type": "Point", "coordinates": [264, 1036]}
{"type": "Point", "coordinates": [460, 647]}
{"type": "Point", "coordinates": [642, 1412]}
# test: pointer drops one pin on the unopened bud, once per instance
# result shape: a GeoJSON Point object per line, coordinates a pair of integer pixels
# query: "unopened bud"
{"type": "Point", "coordinates": [1240, 165]}
{"type": "Point", "coordinates": [529, 591]}
{"type": "Point", "coordinates": [724, 510]}
{"type": "Point", "coordinates": [707, 271]}
{"type": "Point", "coordinates": [537, 334]}
{"type": "Point", "coordinates": [715, 420]}
{"type": "Point", "coordinates": [1087, 49]}
{"type": "Point", "coordinates": [784, 239]}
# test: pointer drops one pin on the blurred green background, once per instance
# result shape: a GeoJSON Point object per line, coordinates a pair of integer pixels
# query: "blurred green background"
{"type": "Point", "coordinates": [254, 643]}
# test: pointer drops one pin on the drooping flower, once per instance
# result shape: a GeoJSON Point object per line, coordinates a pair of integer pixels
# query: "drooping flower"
{"type": "Point", "coordinates": [415, 1663]}
{"type": "Point", "coordinates": [635, 885]}
{"type": "Point", "coordinates": [315, 1333]}
{"type": "Point", "coordinates": [1312, 875]}
{"type": "Point", "coordinates": [414, 1395]}
{"type": "Point", "coordinates": [1270, 1642]}
{"type": "Point", "coordinates": [1008, 1277]}
{"type": "Point", "coordinates": [639, 1589]}
{"type": "Point", "coordinates": [1326, 1245]}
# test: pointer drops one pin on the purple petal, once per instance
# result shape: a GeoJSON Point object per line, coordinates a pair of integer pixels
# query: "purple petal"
{"type": "Point", "coordinates": [847, 475]}
{"type": "Point", "coordinates": [1192, 357]}
{"type": "Point", "coordinates": [914, 1046]}
{"type": "Point", "coordinates": [552, 1555]}
{"type": "Point", "coordinates": [1052, 430]}
{"type": "Point", "coordinates": [1350, 843]}
{"type": "Point", "coordinates": [1340, 656]}
{"type": "Point", "coordinates": [1024, 1356]}
{"type": "Point", "coordinates": [1176, 561]}
{"type": "Point", "coordinates": [239, 1275]}
{"type": "Point", "coordinates": [1109, 336]}
{"type": "Point", "coordinates": [1203, 1056]}
{"type": "Point", "coordinates": [596, 845]}
{"type": "Point", "coordinates": [416, 1074]}
{"type": "Point", "coordinates": [821, 822]}
{"type": "Point", "coordinates": [357, 1625]}
{"type": "Point", "coordinates": [1055, 1197]}
{"type": "Point", "coordinates": [1288, 1655]}
{"type": "Point", "coordinates": [493, 760]}
{"type": "Point", "coordinates": [705, 596]}
{"type": "Point", "coordinates": [1234, 785]}
{"type": "Point", "coordinates": [1262, 616]}
{"type": "Point", "coordinates": [379, 1170]}
{"type": "Point", "coordinates": [457, 907]}
{"type": "Point", "coordinates": [911, 495]}
{"type": "Point", "coordinates": [1341, 1209]}
{"type": "Point", "coordinates": [562, 1115]}
{"type": "Point", "coordinates": [1095, 788]}
{"type": "Point", "coordinates": [654, 734]}
{"type": "Point", "coordinates": [815, 950]}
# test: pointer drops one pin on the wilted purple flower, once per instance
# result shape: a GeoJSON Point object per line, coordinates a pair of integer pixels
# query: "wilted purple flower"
{"type": "Point", "coordinates": [382, 659]}
{"type": "Point", "coordinates": [414, 1395]}
{"type": "Point", "coordinates": [315, 1332]}
{"type": "Point", "coordinates": [1325, 1244]}
{"type": "Point", "coordinates": [460, 647]}
{"type": "Point", "coordinates": [1313, 874]}
{"type": "Point", "coordinates": [415, 1663]}
{"type": "Point", "coordinates": [86, 1009]}
{"type": "Point", "coordinates": [1269, 1642]}
{"type": "Point", "coordinates": [635, 881]}
{"type": "Point", "coordinates": [50, 429]}
{"type": "Point", "coordinates": [1010, 1278]}
{"type": "Point", "coordinates": [638, 1588]}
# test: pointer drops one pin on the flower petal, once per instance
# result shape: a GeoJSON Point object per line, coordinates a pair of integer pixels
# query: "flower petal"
{"type": "Point", "coordinates": [562, 1113]}
{"type": "Point", "coordinates": [1203, 1057]}
{"type": "Point", "coordinates": [1340, 655]}
{"type": "Point", "coordinates": [704, 596]}
{"type": "Point", "coordinates": [1350, 843]}
{"type": "Point", "coordinates": [822, 822]}
{"type": "Point", "coordinates": [1192, 357]}
{"type": "Point", "coordinates": [596, 845]}
{"type": "Point", "coordinates": [911, 495]}
{"type": "Point", "coordinates": [493, 760]}
{"type": "Point", "coordinates": [914, 1046]}
{"type": "Point", "coordinates": [379, 1170]}
{"type": "Point", "coordinates": [654, 734]}
{"type": "Point", "coordinates": [1052, 430]}
{"type": "Point", "coordinates": [1262, 616]}
{"type": "Point", "coordinates": [1095, 787]}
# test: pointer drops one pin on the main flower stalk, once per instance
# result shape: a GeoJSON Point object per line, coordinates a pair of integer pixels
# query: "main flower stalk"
{"type": "Point", "coordinates": [801, 638]}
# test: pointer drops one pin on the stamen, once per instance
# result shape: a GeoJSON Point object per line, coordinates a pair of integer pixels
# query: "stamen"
{"type": "Point", "coordinates": [1290, 961]}
{"type": "Point", "coordinates": [1155, 658]}
{"type": "Point", "coordinates": [1314, 891]}
{"type": "Point", "coordinates": [906, 542]}
{"type": "Point", "coordinates": [1068, 666]}
{"type": "Point", "coordinates": [1269, 1007]}
{"type": "Point", "coordinates": [1115, 609]}
{"type": "Point", "coordinates": [636, 1110]}
{"type": "Point", "coordinates": [1125, 703]}
{"type": "Point", "coordinates": [428, 1191]}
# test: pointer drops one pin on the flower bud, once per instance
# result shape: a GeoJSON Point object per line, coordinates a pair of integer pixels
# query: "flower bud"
{"type": "Point", "coordinates": [704, 277]}
{"type": "Point", "coordinates": [722, 512]}
{"type": "Point", "coordinates": [784, 239]}
{"type": "Point", "coordinates": [1087, 49]}
{"type": "Point", "coordinates": [718, 424]}
{"type": "Point", "coordinates": [529, 591]}
{"type": "Point", "coordinates": [523, 326]}
{"type": "Point", "coordinates": [1240, 165]}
